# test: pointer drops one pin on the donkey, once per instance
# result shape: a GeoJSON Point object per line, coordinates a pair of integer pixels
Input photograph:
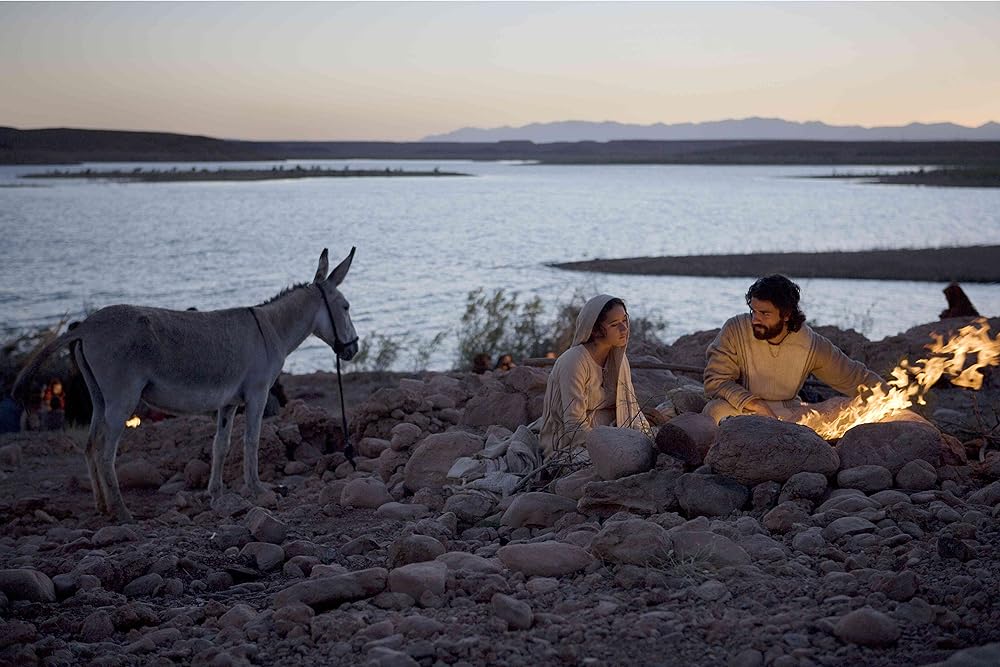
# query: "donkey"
{"type": "Point", "coordinates": [195, 362]}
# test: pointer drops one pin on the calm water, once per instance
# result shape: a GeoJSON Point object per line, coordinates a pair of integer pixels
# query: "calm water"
{"type": "Point", "coordinates": [423, 244]}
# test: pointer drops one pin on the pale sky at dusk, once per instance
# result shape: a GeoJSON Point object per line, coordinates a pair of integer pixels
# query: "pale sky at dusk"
{"type": "Point", "coordinates": [400, 71]}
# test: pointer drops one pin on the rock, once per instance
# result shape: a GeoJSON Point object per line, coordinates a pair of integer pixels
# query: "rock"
{"type": "Point", "coordinates": [238, 616]}
{"type": "Point", "coordinates": [139, 474]}
{"type": "Point", "coordinates": [633, 541]}
{"type": "Point", "coordinates": [571, 486]}
{"type": "Point", "coordinates": [97, 627]}
{"type": "Point", "coordinates": [809, 541]}
{"type": "Point", "coordinates": [890, 444]}
{"type": "Point", "coordinates": [867, 627]}
{"type": "Point", "coordinates": [847, 525]}
{"type": "Point", "coordinates": [414, 549]}
{"type": "Point", "coordinates": [867, 478]}
{"type": "Point", "coordinates": [113, 535]}
{"type": "Point", "coordinates": [536, 509]}
{"type": "Point", "coordinates": [326, 592]}
{"type": "Point", "coordinates": [916, 475]}
{"type": "Point", "coordinates": [496, 407]}
{"type": "Point", "coordinates": [403, 512]}
{"type": "Point", "coordinates": [951, 547]}
{"type": "Point", "coordinates": [416, 579]}
{"type": "Point", "coordinates": [516, 613]}
{"type": "Point", "coordinates": [143, 586]}
{"type": "Point", "coordinates": [710, 495]}
{"type": "Point", "coordinates": [266, 556]}
{"type": "Point", "coordinates": [782, 518]}
{"type": "Point", "coordinates": [10, 456]}
{"type": "Point", "coordinates": [27, 584]}
{"type": "Point", "coordinates": [646, 493]}
{"type": "Point", "coordinates": [765, 495]}
{"type": "Point", "coordinates": [365, 492]}
{"type": "Point", "coordinates": [809, 486]}
{"type": "Point", "coordinates": [619, 452]}
{"type": "Point", "coordinates": [753, 449]}
{"type": "Point", "coordinates": [230, 535]}
{"type": "Point", "coordinates": [471, 507]}
{"type": "Point", "coordinates": [900, 586]}
{"type": "Point", "coordinates": [987, 655]}
{"type": "Point", "coordinates": [687, 437]}
{"type": "Point", "coordinates": [546, 559]}
{"type": "Point", "coordinates": [706, 548]}
{"type": "Point", "coordinates": [688, 398]}
{"type": "Point", "coordinates": [389, 462]}
{"type": "Point", "coordinates": [196, 474]}
{"type": "Point", "coordinates": [230, 504]}
{"type": "Point", "coordinates": [429, 464]}
{"type": "Point", "coordinates": [988, 495]}
{"type": "Point", "coordinates": [265, 527]}
{"type": "Point", "coordinates": [403, 436]}
{"type": "Point", "coordinates": [461, 561]}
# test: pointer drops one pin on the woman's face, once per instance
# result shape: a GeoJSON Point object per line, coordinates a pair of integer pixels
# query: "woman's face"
{"type": "Point", "coordinates": [615, 326]}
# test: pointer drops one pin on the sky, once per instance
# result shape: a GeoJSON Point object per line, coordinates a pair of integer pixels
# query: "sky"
{"type": "Point", "coordinates": [402, 71]}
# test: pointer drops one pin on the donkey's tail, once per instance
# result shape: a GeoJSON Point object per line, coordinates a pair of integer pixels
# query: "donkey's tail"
{"type": "Point", "coordinates": [19, 391]}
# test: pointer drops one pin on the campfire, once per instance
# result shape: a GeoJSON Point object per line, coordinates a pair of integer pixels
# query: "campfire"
{"type": "Point", "coordinates": [911, 381]}
{"type": "Point", "coordinates": [133, 422]}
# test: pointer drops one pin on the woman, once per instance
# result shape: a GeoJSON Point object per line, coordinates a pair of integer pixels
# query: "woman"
{"type": "Point", "coordinates": [591, 382]}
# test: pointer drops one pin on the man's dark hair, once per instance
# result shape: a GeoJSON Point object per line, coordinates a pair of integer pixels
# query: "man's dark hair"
{"type": "Point", "coordinates": [783, 293]}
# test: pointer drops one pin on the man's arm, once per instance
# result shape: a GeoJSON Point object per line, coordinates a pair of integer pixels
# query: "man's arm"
{"type": "Point", "coordinates": [722, 369]}
{"type": "Point", "coordinates": [839, 371]}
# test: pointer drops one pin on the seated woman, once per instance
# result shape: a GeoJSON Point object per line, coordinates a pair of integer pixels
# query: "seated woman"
{"type": "Point", "coordinates": [591, 382]}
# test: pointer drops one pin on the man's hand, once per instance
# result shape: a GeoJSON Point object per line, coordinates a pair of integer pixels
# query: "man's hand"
{"type": "Point", "coordinates": [759, 406]}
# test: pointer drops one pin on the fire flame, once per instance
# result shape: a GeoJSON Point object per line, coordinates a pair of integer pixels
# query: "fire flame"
{"type": "Point", "coordinates": [912, 381]}
{"type": "Point", "coordinates": [134, 422]}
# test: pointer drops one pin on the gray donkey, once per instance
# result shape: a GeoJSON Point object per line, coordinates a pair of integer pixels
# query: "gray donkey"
{"type": "Point", "coordinates": [195, 362]}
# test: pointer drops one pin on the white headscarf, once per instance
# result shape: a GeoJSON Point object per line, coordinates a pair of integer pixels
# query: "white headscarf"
{"type": "Point", "coordinates": [627, 411]}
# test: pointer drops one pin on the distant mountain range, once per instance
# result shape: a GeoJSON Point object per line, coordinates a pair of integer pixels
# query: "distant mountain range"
{"type": "Point", "coordinates": [724, 130]}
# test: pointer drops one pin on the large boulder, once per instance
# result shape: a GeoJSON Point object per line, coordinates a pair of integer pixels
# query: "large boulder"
{"type": "Point", "coordinates": [545, 559]}
{"type": "Point", "coordinates": [429, 464]}
{"type": "Point", "coordinates": [753, 449]}
{"type": "Point", "coordinates": [27, 584]}
{"type": "Point", "coordinates": [619, 452]}
{"type": "Point", "coordinates": [687, 437]}
{"type": "Point", "coordinates": [890, 444]}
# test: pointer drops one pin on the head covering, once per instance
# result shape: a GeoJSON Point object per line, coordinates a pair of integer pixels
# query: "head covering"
{"type": "Point", "coordinates": [627, 411]}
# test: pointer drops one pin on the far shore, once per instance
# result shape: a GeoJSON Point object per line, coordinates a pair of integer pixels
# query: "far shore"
{"type": "Point", "coordinates": [973, 264]}
{"type": "Point", "coordinates": [945, 177]}
{"type": "Point", "coordinates": [202, 175]}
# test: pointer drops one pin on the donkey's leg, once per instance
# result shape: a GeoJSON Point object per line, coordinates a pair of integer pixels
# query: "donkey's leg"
{"type": "Point", "coordinates": [251, 444]}
{"type": "Point", "coordinates": [113, 429]}
{"type": "Point", "coordinates": [220, 447]}
{"type": "Point", "coordinates": [97, 430]}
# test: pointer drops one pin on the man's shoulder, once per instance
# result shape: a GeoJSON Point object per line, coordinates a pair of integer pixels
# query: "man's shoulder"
{"type": "Point", "coordinates": [737, 323]}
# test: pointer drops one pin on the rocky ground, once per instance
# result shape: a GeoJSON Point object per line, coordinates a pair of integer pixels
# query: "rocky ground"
{"type": "Point", "coordinates": [782, 550]}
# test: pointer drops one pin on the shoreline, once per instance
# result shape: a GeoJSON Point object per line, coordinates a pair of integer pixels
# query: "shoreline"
{"type": "Point", "coordinates": [204, 175]}
{"type": "Point", "coordinates": [946, 177]}
{"type": "Point", "coordinates": [970, 264]}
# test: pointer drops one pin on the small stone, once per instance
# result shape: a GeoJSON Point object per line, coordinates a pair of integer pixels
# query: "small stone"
{"type": "Point", "coordinates": [866, 478]}
{"type": "Point", "coordinates": [266, 556]}
{"type": "Point", "coordinates": [97, 627]}
{"type": "Point", "coordinates": [27, 584]}
{"type": "Point", "coordinates": [516, 613]}
{"type": "Point", "coordinates": [265, 527]}
{"type": "Point", "coordinates": [917, 475]}
{"type": "Point", "coordinates": [867, 627]}
{"type": "Point", "coordinates": [143, 586]}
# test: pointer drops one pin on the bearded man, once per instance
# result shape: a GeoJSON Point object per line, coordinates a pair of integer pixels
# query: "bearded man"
{"type": "Point", "coordinates": [760, 360]}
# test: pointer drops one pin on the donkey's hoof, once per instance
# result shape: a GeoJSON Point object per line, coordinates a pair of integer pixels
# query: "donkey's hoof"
{"type": "Point", "coordinates": [122, 515]}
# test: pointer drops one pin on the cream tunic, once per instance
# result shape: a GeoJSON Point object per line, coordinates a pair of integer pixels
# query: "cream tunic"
{"type": "Point", "coordinates": [741, 368]}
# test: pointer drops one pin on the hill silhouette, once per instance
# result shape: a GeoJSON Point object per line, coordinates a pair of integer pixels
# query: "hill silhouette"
{"type": "Point", "coordinates": [70, 146]}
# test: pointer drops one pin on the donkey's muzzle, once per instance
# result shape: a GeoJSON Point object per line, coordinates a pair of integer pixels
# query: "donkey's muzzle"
{"type": "Point", "coordinates": [346, 351]}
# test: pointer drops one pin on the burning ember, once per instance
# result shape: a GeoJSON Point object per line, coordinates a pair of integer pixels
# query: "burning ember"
{"type": "Point", "coordinates": [134, 422]}
{"type": "Point", "coordinates": [912, 381]}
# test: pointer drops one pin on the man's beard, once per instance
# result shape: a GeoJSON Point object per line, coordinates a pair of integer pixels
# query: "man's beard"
{"type": "Point", "coordinates": [760, 332]}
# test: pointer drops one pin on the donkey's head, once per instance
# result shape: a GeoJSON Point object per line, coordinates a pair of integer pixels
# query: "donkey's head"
{"type": "Point", "coordinates": [333, 320]}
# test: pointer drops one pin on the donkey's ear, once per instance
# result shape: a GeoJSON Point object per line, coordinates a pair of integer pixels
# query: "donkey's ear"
{"type": "Point", "coordinates": [324, 266]}
{"type": "Point", "coordinates": [337, 275]}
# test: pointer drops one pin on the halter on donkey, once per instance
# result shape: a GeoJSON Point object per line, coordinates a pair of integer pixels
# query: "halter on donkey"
{"type": "Point", "coordinates": [196, 362]}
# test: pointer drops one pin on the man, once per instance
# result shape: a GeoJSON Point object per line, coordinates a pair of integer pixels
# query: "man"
{"type": "Point", "coordinates": [760, 360]}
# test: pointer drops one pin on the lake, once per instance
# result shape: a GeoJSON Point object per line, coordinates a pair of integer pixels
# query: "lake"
{"type": "Point", "coordinates": [424, 243]}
